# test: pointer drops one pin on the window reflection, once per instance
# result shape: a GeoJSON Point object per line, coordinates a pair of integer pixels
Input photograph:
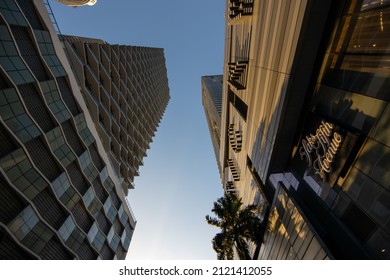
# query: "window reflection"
{"type": "Point", "coordinates": [59, 146]}
{"type": "Point", "coordinates": [22, 174]}
{"type": "Point", "coordinates": [83, 129]}
{"type": "Point", "coordinates": [54, 101]}
{"type": "Point", "coordinates": [15, 116]}
{"type": "Point", "coordinates": [370, 4]}
{"type": "Point", "coordinates": [289, 235]}
{"type": "Point", "coordinates": [29, 230]}
{"type": "Point", "coordinates": [360, 56]}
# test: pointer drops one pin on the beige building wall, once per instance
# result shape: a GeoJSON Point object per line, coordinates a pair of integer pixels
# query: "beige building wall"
{"type": "Point", "coordinates": [267, 40]}
{"type": "Point", "coordinates": [261, 51]}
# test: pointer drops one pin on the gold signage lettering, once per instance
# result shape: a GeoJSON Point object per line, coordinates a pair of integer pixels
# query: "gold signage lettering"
{"type": "Point", "coordinates": [325, 143]}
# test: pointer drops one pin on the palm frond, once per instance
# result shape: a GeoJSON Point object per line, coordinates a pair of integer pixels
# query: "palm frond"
{"type": "Point", "coordinates": [213, 221]}
{"type": "Point", "coordinates": [238, 224]}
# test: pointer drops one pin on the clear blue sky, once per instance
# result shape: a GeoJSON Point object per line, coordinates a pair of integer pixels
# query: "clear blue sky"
{"type": "Point", "coordinates": [179, 180]}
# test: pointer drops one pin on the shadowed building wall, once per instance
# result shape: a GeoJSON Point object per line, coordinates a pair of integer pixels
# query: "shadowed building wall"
{"type": "Point", "coordinates": [304, 83]}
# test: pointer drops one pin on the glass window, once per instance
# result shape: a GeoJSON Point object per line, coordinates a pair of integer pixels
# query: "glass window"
{"type": "Point", "coordinates": [109, 210]}
{"type": "Point", "coordinates": [89, 196]}
{"type": "Point", "coordinates": [301, 237]}
{"type": "Point", "coordinates": [370, 196]}
{"type": "Point", "coordinates": [104, 174]}
{"type": "Point", "coordinates": [72, 236]}
{"type": "Point", "coordinates": [110, 234]}
{"type": "Point", "coordinates": [357, 110]}
{"type": "Point", "coordinates": [123, 215]}
{"type": "Point", "coordinates": [360, 58]}
{"type": "Point", "coordinates": [91, 202]}
{"type": "Point", "coordinates": [59, 146]}
{"type": "Point", "coordinates": [10, 60]}
{"type": "Point", "coordinates": [70, 198]}
{"type": "Point", "coordinates": [370, 4]}
{"type": "Point", "coordinates": [379, 244]}
{"type": "Point", "coordinates": [48, 52]}
{"type": "Point", "coordinates": [22, 174]}
{"type": "Point", "coordinates": [75, 239]}
{"type": "Point", "coordinates": [93, 231]}
{"type": "Point", "coordinates": [99, 240]}
{"type": "Point", "coordinates": [378, 155]}
{"type": "Point", "coordinates": [11, 13]}
{"type": "Point", "coordinates": [54, 101]}
{"type": "Point", "coordinates": [13, 113]}
{"type": "Point", "coordinates": [61, 184]}
{"type": "Point", "coordinates": [4, 34]}
{"type": "Point", "coordinates": [115, 242]}
{"type": "Point", "coordinates": [38, 237]}
{"type": "Point", "coordinates": [113, 239]}
{"type": "Point", "coordinates": [125, 239]}
{"type": "Point", "coordinates": [108, 184]}
{"type": "Point", "coordinates": [84, 160]}
{"type": "Point", "coordinates": [381, 130]}
{"type": "Point", "coordinates": [66, 229]}
{"type": "Point", "coordinates": [306, 242]}
{"type": "Point", "coordinates": [55, 65]}
{"type": "Point", "coordinates": [24, 222]}
{"type": "Point", "coordinates": [44, 42]}
{"type": "Point", "coordinates": [86, 165]}
{"type": "Point", "coordinates": [30, 230]}
{"type": "Point", "coordinates": [8, 49]}
{"type": "Point", "coordinates": [83, 129]}
{"type": "Point", "coordinates": [312, 250]}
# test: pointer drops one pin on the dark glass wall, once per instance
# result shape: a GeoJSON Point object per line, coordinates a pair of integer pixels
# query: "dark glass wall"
{"type": "Point", "coordinates": [342, 156]}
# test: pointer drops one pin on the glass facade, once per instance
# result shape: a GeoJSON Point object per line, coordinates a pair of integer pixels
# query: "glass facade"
{"type": "Point", "coordinates": [342, 156]}
{"type": "Point", "coordinates": [212, 105]}
{"type": "Point", "coordinates": [57, 198]}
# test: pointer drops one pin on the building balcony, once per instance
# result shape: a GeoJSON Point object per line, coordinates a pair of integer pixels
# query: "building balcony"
{"type": "Point", "coordinates": [237, 72]}
{"type": "Point", "coordinates": [233, 170]}
{"type": "Point", "coordinates": [239, 8]}
{"type": "Point", "coordinates": [230, 188]}
{"type": "Point", "coordinates": [235, 138]}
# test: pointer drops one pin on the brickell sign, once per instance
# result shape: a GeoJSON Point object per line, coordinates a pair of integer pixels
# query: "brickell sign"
{"type": "Point", "coordinates": [320, 149]}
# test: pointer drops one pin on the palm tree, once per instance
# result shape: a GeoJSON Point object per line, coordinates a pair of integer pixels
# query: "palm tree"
{"type": "Point", "coordinates": [238, 226]}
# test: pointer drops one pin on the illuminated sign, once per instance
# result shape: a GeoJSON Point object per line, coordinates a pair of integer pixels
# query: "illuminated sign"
{"type": "Point", "coordinates": [320, 149]}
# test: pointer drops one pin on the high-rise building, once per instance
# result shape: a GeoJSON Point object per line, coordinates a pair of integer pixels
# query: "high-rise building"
{"type": "Point", "coordinates": [61, 196]}
{"type": "Point", "coordinates": [126, 90]}
{"type": "Point", "coordinates": [304, 84]}
{"type": "Point", "coordinates": [212, 104]}
{"type": "Point", "coordinates": [78, 3]}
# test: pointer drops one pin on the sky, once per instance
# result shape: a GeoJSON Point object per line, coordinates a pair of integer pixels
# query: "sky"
{"type": "Point", "coordinates": [179, 180]}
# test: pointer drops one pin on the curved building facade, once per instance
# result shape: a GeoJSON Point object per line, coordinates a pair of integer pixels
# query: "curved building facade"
{"type": "Point", "coordinates": [60, 193]}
